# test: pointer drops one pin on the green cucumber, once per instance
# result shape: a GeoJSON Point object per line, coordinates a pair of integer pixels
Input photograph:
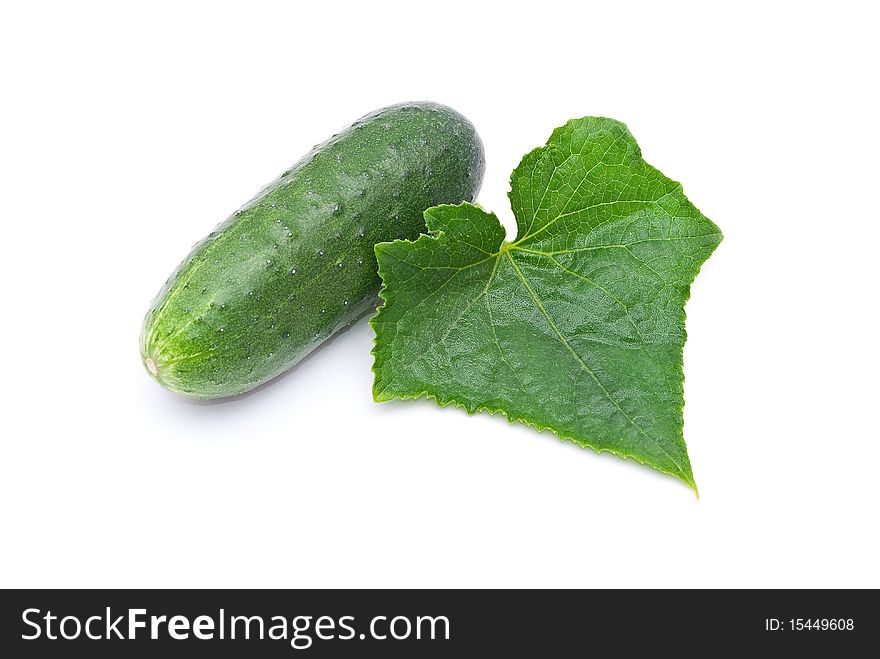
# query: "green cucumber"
{"type": "Point", "coordinates": [296, 263]}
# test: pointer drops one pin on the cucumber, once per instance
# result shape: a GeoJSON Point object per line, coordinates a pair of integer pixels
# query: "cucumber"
{"type": "Point", "coordinates": [296, 263]}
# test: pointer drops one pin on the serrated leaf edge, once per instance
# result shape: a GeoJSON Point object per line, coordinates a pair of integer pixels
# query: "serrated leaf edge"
{"type": "Point", "coordinates": [445, 402]}
{"type": "Point", "coordinates": [441, 401]}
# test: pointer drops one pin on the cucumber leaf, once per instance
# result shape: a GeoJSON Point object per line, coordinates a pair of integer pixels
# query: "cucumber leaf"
{"type": "Point", "coordinates": [577, 326]}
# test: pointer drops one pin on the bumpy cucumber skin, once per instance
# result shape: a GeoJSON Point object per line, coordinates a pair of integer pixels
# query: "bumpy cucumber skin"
{"type": "Point", "coordinates": [296, 263]}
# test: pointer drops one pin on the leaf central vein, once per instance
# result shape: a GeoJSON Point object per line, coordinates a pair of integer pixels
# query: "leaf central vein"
{"type": "Point", "coordinates": [584, 365]}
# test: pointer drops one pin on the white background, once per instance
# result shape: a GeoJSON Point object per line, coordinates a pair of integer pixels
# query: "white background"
{"type": "Point", "coordinates": [128, 133]}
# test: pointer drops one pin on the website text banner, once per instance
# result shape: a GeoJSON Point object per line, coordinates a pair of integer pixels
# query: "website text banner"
{"type": "Point", "coordinates": [407, 623]}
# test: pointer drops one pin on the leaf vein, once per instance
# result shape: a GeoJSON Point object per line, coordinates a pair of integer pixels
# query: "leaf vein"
{"type": "Point", "coordinates": [584, 365]}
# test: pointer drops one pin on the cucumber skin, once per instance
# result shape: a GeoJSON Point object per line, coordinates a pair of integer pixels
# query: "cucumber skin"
{"type": "Point", "coordinates": [296, 263]}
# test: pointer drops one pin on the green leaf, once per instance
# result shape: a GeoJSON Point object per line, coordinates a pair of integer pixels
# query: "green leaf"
{"type": "Point", "coordinates": [575, 327]}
